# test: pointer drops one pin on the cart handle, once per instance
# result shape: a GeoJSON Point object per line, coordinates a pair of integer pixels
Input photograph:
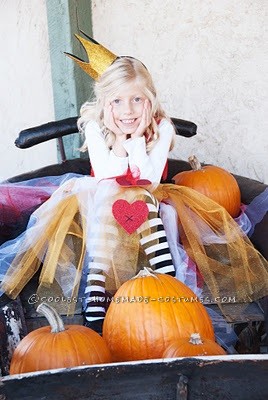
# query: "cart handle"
{"type": "Point", "coordinates": [57, 129]}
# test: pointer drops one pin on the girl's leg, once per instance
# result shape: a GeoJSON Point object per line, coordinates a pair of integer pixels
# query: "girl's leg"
{"type": "Point", "coordinates": [95, 296]}
{"type": "Point", "coordinates": [101, 249]}
{"type": "Point", "coordinates": [154, 242]}
{"type": "Point", "coordinates": [101, 237]}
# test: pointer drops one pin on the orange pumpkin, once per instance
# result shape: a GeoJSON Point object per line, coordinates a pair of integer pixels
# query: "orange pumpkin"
{"type": "Point", "coordinates": [148, 312]}
{"type": "Point", "coordinates": [214, 182]}
{"type": "Point", "coordinates": [56, 346]}
{"type": "Point", "coordinates": [195, 346]}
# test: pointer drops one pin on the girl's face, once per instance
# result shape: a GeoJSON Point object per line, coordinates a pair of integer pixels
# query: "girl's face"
{"type": "Point", "coordinates": [127, 108]}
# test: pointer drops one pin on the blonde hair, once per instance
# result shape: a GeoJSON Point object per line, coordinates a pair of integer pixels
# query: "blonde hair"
{"type": "Point", "coordinates": [119, 74]}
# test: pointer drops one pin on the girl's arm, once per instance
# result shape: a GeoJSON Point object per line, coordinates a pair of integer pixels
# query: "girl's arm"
{"type": "Point", "coordinates": [151, 165]}
{"type": "Point", "coordinates": [104, 162]}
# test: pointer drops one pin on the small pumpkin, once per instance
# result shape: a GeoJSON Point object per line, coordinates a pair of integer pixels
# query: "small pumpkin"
{"type": "Point", "coordinates": [149, 311]}
{"type": "Point", "coordinates": [58, 346]}
{"type": "Point", "coordinates": [193, 346]}
{"type": "Point", "coordinates": [214, 182]}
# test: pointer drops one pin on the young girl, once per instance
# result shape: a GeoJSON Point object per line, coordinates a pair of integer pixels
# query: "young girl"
{"type": "Point", "coordinates": [126, 133]}
{"type": "Point", "coordinates": [104, 228]}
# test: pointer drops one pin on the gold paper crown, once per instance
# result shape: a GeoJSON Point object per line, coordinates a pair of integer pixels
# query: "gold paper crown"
{"type": "Point", "coordinates": [99, 57]}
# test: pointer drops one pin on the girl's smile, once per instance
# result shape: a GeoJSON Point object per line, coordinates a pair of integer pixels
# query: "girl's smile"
{"type": "Point", "coordinates": [127, 108]}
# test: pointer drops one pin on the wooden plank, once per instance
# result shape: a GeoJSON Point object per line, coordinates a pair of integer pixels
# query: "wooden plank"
{"type": "Point", "coordinates": [12, 330]}
{"type": "Point", "coordinates": [234, 312]}
{"type": "Point", "coordinates": [30, 299]}
{"type": "Point", "coordinates": [221, 378]}
{"type": "Point", "coordinates": [240, 313]}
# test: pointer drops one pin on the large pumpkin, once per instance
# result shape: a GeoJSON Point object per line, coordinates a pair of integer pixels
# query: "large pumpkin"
{"type": "Point", "coordinates": [148, 312]}
{"type": "Point", "coordinates": [214, 182]}
{"type": "Point", "coordinates": [193, 346]}
{"type": "Point", "coordinates": [56, 346]}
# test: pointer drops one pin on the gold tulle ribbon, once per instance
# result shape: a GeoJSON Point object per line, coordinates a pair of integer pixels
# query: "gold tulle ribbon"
{"type": "Point", "coordinates": [61, 242]}
{"type": "Point", "coordinates": [229, 263]}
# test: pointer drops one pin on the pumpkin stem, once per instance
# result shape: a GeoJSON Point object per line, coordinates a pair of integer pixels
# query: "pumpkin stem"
{"type": "Point", "coordinates": [52, 316]}
{"type": "Point", "coordinates": [146, 271]}
{"type": "Point", "coordinates": [195, 338]}
{"type": "Point", "coordinates": [194, 162]}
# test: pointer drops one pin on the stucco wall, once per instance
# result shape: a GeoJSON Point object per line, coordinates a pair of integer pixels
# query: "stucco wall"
{"type": "Point", "coordinates": [25, 80]}
{"type": "Point", "coordinates": [209, 61]}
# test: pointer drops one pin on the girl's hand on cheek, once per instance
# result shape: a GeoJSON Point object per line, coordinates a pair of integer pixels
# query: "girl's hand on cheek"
{"type": "Point", "coordinates": [108, 119]}
{"type": "Point", "coordinates": [146, 119]}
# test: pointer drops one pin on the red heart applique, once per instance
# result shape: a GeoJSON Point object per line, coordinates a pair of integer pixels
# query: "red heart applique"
{"type": "Point", "coordinates": [130, 216]}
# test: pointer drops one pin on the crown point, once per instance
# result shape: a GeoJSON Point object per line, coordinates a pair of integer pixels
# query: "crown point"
{"type": "Point", "coordinates": [99, 58]}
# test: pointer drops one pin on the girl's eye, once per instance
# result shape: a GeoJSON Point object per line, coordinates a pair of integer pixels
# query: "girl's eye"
{"type": "Point", "coordinates": [116, 101]}
{"type": "Point", "coordinates": [137, 100]}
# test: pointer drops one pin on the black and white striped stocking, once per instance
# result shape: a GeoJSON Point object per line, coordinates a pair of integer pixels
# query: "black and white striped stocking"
{"type": "Point", "coordinates": [155, 244]}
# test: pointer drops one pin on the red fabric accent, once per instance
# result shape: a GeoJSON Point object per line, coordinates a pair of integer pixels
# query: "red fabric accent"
{"type": "Point", "coordinates": [165, 172]}
{"type": "Point", "coordinates": [130, 216]}
{"type": "Point", "coordinates": [129, 180]}
{"type": "Point", "coordinates": [15, 201]}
